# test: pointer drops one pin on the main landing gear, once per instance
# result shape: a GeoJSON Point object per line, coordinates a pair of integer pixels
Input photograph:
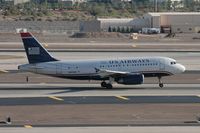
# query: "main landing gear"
{"type": "Point", "coordinates": [160, 82]}
{"type": "Point", "coordinates": [106, 85]}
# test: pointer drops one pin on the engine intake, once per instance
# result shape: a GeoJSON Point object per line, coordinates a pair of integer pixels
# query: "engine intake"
{"type": "Point", "coordinates": [132, 79]}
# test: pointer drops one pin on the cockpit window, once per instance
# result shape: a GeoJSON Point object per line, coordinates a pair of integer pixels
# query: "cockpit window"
{"type": "Point", "coordinates": [172, 63]}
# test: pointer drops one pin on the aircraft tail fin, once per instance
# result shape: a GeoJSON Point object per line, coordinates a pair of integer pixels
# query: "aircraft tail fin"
{"type": "Point", "coordinates": [35, 52]}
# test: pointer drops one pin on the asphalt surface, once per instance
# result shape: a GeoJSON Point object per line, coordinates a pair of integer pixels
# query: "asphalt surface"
{"type": "Point", "coordinates": [98, 100]}
{"type": "Point", "coordinates": [156, 129]}
{"type": "Point", "coordinates": [87, 90]}
{"type": "Point", "coordinates": [89, 105]}
{"type": "Point", "coordinates": [46, 94]}
{"type": "Point", "coordinates": [103, 46]}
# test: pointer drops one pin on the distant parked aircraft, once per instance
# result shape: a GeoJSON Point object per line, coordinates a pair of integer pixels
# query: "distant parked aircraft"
{"type": "Point", "coordinates": [130, 71]}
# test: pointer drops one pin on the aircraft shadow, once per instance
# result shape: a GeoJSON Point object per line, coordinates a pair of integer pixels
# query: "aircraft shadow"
{"type": "Point", "coordinates": [80, 89]}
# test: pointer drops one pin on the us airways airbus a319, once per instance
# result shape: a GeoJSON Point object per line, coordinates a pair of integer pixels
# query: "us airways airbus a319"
{"type": "Point", "coordinates": [130, 71]}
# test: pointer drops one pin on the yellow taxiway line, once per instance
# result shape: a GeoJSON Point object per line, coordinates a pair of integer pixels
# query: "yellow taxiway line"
{"type": "Point", "coordinates": [134, 46]}
{"type": "Point", "coordinates": [56, 98]}
{"type": "Point", "coordinates": [123, 98]}
{"type": "Point", "coordinates": [28, 126]}
{"type": "Point", "coordinates": [3, 71]}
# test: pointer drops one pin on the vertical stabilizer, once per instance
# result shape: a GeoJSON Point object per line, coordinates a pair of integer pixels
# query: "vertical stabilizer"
{"type": "Point", "coordinates": [35, 52]}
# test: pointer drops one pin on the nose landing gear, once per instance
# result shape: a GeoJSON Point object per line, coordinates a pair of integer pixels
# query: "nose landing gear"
{"type": "Point", "coordinates": [161, 85]}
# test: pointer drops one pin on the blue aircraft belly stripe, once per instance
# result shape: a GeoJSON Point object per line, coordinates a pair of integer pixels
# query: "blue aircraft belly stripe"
{"type": "Point", "coordinates": [95, 76]}
{"type": "Point", "coordinates": [143, 72]}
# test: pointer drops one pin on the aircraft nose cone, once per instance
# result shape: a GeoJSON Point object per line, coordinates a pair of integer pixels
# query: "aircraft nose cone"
{"type": "Point", "coordinates": [181, 68]}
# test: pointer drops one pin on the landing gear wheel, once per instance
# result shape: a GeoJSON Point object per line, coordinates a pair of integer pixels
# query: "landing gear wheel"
{"type": "Point", "coordinates": [109, 86]}
{"type": "Point", "coordinates": [106, 85]}
{"type": "Point", "coordinates": [103, 84]}
{"type": "Point", "coordinates": [160, 82]}
{"type": "Point", "coordinates": [161, 85]}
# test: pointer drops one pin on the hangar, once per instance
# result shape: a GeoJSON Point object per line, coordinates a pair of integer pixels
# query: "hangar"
{"type": "Point", "coordinates": [174, 22]}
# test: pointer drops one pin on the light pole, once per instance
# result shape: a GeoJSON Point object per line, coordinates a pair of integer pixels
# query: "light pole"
{"type": "Point", "coordinates": [155, 5]}
{"type": "Point", "coordinates": [46, 4]}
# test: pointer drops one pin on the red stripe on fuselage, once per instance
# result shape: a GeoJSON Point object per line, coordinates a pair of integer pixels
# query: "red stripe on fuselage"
{"type": "Point", "coordinates": [25, 35]}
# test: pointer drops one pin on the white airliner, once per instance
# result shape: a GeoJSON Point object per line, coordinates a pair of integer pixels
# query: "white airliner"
{"type": "Point", "coordinates": [130, 71]}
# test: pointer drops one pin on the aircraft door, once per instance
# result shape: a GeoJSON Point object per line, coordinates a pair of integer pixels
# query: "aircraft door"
{"type": "Point", "coordinates": [162, 65]}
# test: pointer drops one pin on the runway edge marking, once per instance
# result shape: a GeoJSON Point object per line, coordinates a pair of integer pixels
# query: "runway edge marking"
{"type": "Point", "coordinates": [122, 97]}
{"type": "Point", "coordinates": [56, 98]}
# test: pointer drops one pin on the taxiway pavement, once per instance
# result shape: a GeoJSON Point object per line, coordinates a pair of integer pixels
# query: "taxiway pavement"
{"type": "Point", "coordinates": [144, 129]}
{"type": "Point", "coordinates": [116, 46]}
{"type": "Point", "coordinates": [64, 90]}
{"type": "Point", "coordinates": [90, 105]}
{"type": "Point", "coordinates": [52, 100]}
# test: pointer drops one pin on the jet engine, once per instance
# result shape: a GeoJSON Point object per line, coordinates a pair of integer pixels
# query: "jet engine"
{"type": "Point", "coordinates": [131, 79]}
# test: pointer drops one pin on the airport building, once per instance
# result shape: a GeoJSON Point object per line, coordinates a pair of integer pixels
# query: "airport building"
{"type": "Point", "coordinates": [108, 1]}
{"type": "Point", "coordinates": [63, 1]}
{"type": "Point", "coordinates": [135, 23]}
{"type": "Point", "coordinates": [175, 22]}
{"type": "Point", "coordinates": [15, 2]}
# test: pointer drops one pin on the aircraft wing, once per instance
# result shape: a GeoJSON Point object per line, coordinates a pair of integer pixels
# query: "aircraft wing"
{"type": "Point", "coordinates": [109, 73]}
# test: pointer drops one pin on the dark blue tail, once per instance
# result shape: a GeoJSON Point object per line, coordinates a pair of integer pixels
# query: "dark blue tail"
{"type": "Point", "coordinates": [35, 52]}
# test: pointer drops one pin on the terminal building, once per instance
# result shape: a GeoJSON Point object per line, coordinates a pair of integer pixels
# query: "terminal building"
{"type": "Point", "coordinates": [167, 22]}
{"type": "Point", "coordinates": [135, 23]}
{"type": "Point", "coordinates": [174, 22]}
{"type": "Point", "coordinates": [15, 2]}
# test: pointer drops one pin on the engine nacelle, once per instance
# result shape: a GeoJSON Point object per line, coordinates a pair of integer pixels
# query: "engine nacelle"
{"type": "Point", "coordinates": [132, 79]}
